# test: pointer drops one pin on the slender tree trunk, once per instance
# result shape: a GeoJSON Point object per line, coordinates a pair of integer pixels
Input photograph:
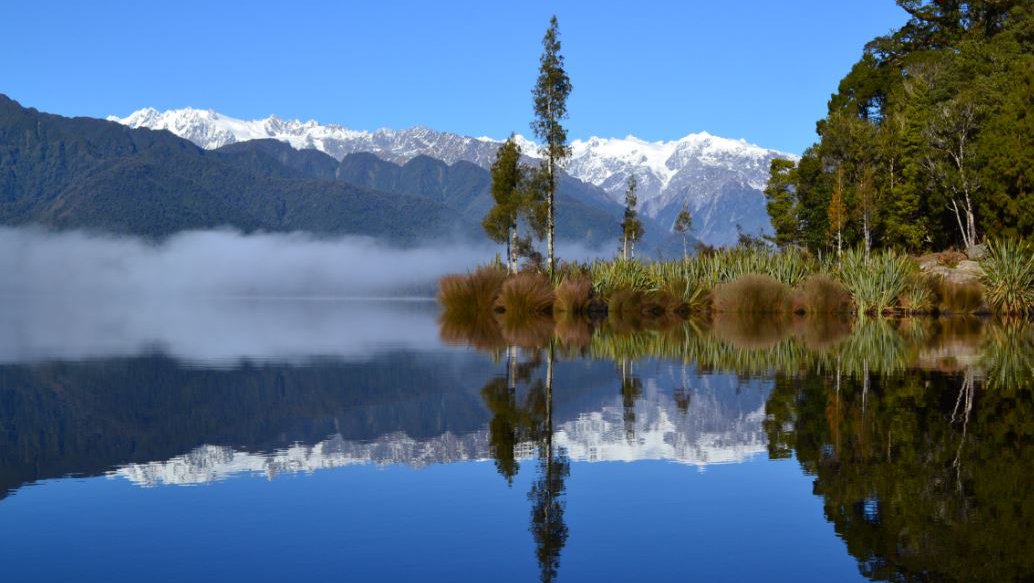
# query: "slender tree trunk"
{"type": "Point", "coordinates": [685, 248]}
{"type": "Point", "coordinates": [550, 218]}
{"type": "Point", "coordinates": [511, 248]}
{"type": "Point", "coordinates": [865, 232]}
{"type": "Point", "coordinates": [624, 248]}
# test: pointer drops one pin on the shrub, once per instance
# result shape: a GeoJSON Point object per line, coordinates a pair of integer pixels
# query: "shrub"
{"type": "Point", "coordinates": [526, 294]}
{"type": "Point", "coordinates": [620, 274]}
{"type": "Point", "coordinates": [469, 296]}
{"type": "Point", "coordinates": [821, 294]}
{"type": "Point", "coordinates": [759, 294]}
{"type": "Point", "coordinates": [875, 280]}
{"type": "Point", "coordinates": [1009, 276]}
{"type": "Point", "coordinates": [573, 295]}
{"type": "Point", "coordinates": [917, 297]}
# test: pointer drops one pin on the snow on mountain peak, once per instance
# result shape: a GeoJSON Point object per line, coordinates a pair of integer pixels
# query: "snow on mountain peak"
{"type": "Point", "coordinates": [719, 179]}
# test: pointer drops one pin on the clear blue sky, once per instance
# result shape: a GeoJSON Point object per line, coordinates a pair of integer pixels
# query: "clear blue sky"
{"type": "Point", "coordinates": [753, 69]}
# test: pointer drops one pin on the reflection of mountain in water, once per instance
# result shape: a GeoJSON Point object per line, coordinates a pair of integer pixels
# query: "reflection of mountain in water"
{"type": "Point", "coordinates": [721, 425]}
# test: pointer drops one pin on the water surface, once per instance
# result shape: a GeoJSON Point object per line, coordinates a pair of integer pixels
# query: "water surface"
{"type": "Point", "coordinates": [274, 440]}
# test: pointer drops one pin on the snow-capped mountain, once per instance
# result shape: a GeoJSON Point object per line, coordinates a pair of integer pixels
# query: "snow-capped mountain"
{"type": "Point", "coordinates": [719, 179]}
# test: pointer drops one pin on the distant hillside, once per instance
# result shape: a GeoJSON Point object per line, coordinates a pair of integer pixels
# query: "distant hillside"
{"type": "Point", "coordinates": [100, 175]}
{"type": "Point", "coordinates": [584, 212]}
{"type": "Point", "coordinates": [719, 179]}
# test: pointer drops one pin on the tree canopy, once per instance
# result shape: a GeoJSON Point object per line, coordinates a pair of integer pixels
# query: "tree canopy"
{"type": "Point", "coordinates": [929, 139]}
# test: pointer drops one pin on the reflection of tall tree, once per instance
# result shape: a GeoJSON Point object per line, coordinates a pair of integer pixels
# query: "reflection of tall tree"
{"type": "Point", "coordinates": [926, 476]}
{"type": "Point", "coordinates": [631, 389]}
{"type": "Point", "coordinates": [530, 419]}
{"type": "Point", "coordinates": [546, 495]}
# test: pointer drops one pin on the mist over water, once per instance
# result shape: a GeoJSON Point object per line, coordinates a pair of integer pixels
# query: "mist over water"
{"type": "Point", "coordinates": [220, 296]}
{"type": "Point", "coordinates": [224, 263]}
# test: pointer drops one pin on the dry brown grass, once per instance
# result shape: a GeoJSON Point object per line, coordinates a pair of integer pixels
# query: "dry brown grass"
{"type": "Point", "coordinates": [821, 294]}
{"type": "Point", "coordinates": [466, 297]}
{"type": "Point", "coordinates": [752, 294]}
{"type": "Point", "coordinates": [573, 296]}
{"type": "Point", "coordinates": [525, 295]}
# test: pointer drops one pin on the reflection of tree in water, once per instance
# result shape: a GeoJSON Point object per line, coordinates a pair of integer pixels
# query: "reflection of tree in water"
{"type": "Point", "coordinates": [531, 420]}
{"type": "Point", "coordinates": [926, 476]}
{"type": "Point", "coordinates": [631, 390]}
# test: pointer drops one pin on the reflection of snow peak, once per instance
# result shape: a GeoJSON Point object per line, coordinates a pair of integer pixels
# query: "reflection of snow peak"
{"type": "Point", "coordinates": [699, 437]}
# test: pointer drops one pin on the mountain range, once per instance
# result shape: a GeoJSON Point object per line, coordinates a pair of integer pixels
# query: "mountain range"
{"type": "Point", "coordinates": [718, 179]}
{"type": "Point", "coordinates": [85, 173]}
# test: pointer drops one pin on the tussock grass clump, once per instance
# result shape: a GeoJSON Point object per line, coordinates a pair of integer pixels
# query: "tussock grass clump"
{"type": "Point", "coordinates": [918, 296]}
{"type": "Point", "coordinates": [573, 296]}
{"type": "Point", "coordinates": [1009, 276]}
{"type": "Point", "coordinates": [469, 296]}
{"type": "Point", "coordinates": [619, 274]}
{"type": "Point", "coordinates": [752, 294]}
{"type": "Point", "coordinates": [875, 280]}
{"type": "Point", "coordinates": [821, 294]}
{"type": "Point", "coordinates": [526, 294]}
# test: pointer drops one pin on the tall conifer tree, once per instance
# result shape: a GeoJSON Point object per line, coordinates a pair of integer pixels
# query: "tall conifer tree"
{"type": "Point", "coordinates": [551, 91]}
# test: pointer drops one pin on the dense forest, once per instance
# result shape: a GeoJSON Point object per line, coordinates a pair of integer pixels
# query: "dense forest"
{"type": "Point", "coordinates": [929, 140]}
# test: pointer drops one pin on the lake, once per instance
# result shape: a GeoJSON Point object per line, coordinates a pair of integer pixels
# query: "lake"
{"type": "Point", "coordinates": [296, 439]}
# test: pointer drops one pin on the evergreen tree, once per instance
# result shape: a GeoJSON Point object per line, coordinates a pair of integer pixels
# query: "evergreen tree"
{"type": "Point", "coordinates": [510, 200]}
{"type": "Point", "coordinates": [927, 140]}
{"type": "Point", "coordinates": [782, 202]}
{"type": "Point", "coordinates": [631, 226]}
{"type": "Point", "coordinates": [838, 212]}
{"type": "Point", "coordinates": [551, 91]}
{"type": "Point", "coordinates": [683, 223]}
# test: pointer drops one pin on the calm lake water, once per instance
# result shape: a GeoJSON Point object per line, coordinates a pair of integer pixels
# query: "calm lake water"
{"type": "Point", "coordinates": [288, 440]}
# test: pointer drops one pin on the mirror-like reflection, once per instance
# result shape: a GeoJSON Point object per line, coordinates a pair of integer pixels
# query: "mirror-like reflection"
{"type": "Point", "coordinates": [914, 434]}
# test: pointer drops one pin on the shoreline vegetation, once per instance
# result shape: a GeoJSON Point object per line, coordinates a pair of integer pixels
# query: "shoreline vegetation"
{"type": "Point", "coordinates": [834, 249]}
{"type": "Point", "coordinates": [753, 280]}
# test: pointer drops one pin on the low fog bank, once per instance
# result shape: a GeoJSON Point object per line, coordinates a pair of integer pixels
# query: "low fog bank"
{"type": "Point", "coordinates": [224, 263]}
{"type": "Point", "coordinates": [214, 332]}
{"type": "Point", "coordinates": [220, 297]}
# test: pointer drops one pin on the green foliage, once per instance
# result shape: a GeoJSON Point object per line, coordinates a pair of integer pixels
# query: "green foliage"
{"type": "Point", "coordinates": [1009, 276]}
{"type": "Point", "coordinates": [926, 142]}
{"type": "Point", "coordinates": [631, 226]}
{"type": "Point", "coordinates": [782, 202]}
{"type": "Point", "coordinates": [875, 280]}
{"type": "Point", "coordinates": [550, 94]}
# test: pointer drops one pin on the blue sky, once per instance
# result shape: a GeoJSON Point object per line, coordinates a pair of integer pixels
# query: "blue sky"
{"type": "Point", "coordinates": [752, 69]}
